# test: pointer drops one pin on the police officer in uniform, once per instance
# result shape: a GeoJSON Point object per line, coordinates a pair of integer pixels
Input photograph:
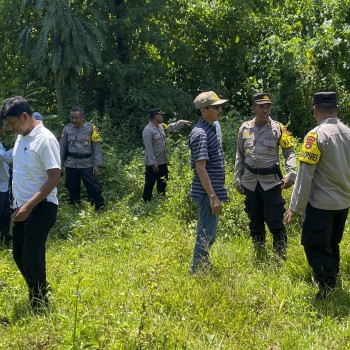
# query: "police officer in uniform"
{"type": "Point", "coordinates": [81, 154]}
{"type": "Point", "coordinates": [258, 176]}
{"type": "Point", "coordinates": [153, 136]}
{"type": "Point", "coordinates": [322, 191]}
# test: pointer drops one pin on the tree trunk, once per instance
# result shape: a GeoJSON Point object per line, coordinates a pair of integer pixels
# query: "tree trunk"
{"type": "Point", "coordinates": [122, 42]}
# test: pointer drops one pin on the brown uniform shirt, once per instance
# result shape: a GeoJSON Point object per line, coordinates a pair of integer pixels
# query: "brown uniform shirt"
{"type": "Point", "coordinates": [154, 142]}
{"type": "Point", "coordinates": [78, 141]}
{"type": "Point", "coordinates": [259, 147]}
{"type": "Point", "coordinates": [324, 175]}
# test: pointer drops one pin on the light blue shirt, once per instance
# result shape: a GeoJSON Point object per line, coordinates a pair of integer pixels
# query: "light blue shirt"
{"type": "Point", "coordinates": [218, 131]}
{"type": "Point", "coordinates": [5, 157]}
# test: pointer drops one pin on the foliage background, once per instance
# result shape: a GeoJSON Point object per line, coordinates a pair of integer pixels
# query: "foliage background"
{"type": "Point", "coordinates": [120, 278]}
{"type": "Point", "coordinates": [120, 58]}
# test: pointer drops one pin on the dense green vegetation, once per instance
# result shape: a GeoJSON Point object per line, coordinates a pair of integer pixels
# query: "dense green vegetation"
{"type": "Point", "coordinates": [120, 278]}
{"type": "Point", "coordinates": [119, 58]}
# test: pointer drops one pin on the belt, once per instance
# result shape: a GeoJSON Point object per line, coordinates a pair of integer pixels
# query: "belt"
{"type": "Point", "coordinates": [261, 171]}
{"type": "Point", "coordinates": [79, 156]}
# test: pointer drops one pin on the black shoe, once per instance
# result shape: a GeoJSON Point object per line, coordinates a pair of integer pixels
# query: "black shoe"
{"type": "Point", "coordinates": [201, 268]}
{"type": "Point", "coordinates": [5, 241]}
{"type": "Point", "coordinates": [39, 305]}
{"type": "Point", "coordinates": [4, 321]}
{"type": "Point", "coordinates": [38, 297]}
{"type": "Point", "coordinates": [260, 252]}
{"type": "Point", "coordinates": [323, 294]}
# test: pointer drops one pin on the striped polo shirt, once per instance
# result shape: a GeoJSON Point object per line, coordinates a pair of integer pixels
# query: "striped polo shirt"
{"type": "Point", "coordinates": [204, 144]}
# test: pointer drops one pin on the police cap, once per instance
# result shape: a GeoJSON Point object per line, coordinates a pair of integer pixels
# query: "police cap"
{"type": "Point", "coordinates": [261, 98]}
{"type": "Point", "coordinates": [155, 111]}
{"type": "Point", "coordinates": [325, 98]}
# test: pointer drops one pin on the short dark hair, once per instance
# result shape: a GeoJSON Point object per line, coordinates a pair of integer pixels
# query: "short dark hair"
{"type": "Point", "coordinates": [198, 112]}
{"type": "Point", "coordinates": [14, 107]}
{"type": "Point", "coordinates": [327, 108]}
{"type": "Point", "coordinates": [77, 109]}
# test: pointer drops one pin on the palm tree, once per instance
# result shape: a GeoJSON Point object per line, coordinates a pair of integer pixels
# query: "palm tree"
{"type": "Point", "coordinates": [64, 43]}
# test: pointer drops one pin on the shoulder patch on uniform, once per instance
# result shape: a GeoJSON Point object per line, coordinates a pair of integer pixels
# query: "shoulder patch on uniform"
{"type": "Point", "coordinates": [95, 136]}
{"type": "Point", "coordinates": [310, 152]}
{"type": "Point", "coordinates": [286, 138]}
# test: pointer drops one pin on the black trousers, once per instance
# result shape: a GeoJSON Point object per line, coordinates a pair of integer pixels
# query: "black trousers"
{"type": "Point", "coordinates": [322, 231]}
{"type": "Point", "coordinates": [5, 218]}
{"type": "Point", "coordinates": [151, 178]}
{"type": "Point", "coordinates": [266, 206]}
{"type": "Point", "coordinates": [29, 239]}
{"type": "Point", "coordinates": [91, 183]}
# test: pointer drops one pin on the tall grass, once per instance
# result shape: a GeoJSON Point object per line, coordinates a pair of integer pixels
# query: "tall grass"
{"type": "Point", "coordinates": [120, 281]}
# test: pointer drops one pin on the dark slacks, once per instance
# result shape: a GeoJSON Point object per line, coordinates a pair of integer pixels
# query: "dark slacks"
{"type": "Point", "coordinates": [91, 183]}
{"type": "Point", "coordinates": [5, 218]}
{"type": "Point", "coordinates": [322, 231]}
{"type": "Point", "coordinates": [151, 178]}
{"type": "Point", "coordinates": [267, 206]}
{"type": "Point", "coordinates": [29, 239]}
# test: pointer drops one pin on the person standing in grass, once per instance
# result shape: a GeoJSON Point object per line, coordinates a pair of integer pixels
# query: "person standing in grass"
{"type": "Point", "coordinates": [258, 176]}
{"type": "Point", "coordinates": [322, 191]}
{"type": "Point", "coordinates": [36, 173]}
{"type": "Point", "coordinates": [153, 136]}
{"type": "Point", "coordinates": [208, 189]}
{"type": "Point", "coordinates": [81, 154]}
{"type": "Point", "coordinates": [5, 210]}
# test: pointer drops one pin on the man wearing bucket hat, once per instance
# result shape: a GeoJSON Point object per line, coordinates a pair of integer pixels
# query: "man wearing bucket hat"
{"type": "Point", "coordinates": [258, 176]}
{"type": "Point", "coordinates": [322, 191]}
{"type": "Point", "coordinates": [153, 136]}
{"type": "Point", "coordinates": [208, 189]}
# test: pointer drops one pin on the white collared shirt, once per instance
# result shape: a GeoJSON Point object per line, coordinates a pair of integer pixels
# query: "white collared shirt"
{"type": "Point", "coordinates": [33, 155]}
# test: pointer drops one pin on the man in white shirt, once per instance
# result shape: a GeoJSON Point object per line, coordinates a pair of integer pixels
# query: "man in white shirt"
{"type": "Point", "coordinates": [36, 173]}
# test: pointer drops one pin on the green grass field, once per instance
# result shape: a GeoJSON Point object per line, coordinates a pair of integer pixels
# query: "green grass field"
{"type": "Point", "coordinates": [120, 281]}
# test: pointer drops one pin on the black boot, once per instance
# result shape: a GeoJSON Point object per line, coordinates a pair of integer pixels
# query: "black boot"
{"type": "Point", "coordinates": [325, 288]}
{"type": "Point", "coordinates": [260, 251]}
{"type": "Point", "coordinates": [5, 240]}
{"type": "Point", "coordinates": [280, 248]}
{"type": "Point", "coordinates": [38, 297]}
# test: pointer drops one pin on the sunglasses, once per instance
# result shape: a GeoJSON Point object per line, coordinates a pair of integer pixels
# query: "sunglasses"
{"type": "Point", "coordinates": [215, 107]}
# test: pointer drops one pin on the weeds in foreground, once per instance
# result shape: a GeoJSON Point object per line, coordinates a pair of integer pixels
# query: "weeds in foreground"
{"type": "Point", "coordinates": [120, 281]}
